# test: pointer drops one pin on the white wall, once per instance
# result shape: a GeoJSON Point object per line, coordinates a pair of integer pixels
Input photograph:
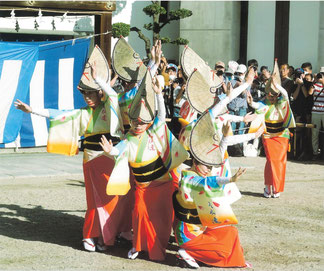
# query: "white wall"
{"type": "Point", "coordinates": [304, 33]}
{"type": "Point", "coordinates": [321, 39]}
{"type": "Point", "coordinates": [261, 32]}
{"type": "Point", "coordinates": [212, 30]}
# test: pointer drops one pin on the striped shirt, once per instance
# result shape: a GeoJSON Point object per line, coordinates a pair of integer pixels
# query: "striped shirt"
{"type": "Point", "coordinates": [318, 106]}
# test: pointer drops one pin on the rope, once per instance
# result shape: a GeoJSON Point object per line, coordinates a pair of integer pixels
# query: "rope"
{"type": "Point", "coordinates": [85, 37]}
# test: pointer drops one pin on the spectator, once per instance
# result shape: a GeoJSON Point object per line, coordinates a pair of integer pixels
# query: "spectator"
{"type": "Point", "coordinates": [318, 112]}
{"type": "Point", "coordinates": [220, 72]}
{"type": "Point", "coordinates": [238, 106]}
{"type": "Point", "coordinates": [291, 72]}
{"type": "Point", "coordinates": [286, 82]}
{"type": "Point", "coordinates": [307, 67]}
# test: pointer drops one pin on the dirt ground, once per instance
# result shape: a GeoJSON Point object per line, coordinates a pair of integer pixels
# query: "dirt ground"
{"type": "Point", "coordinates": [41, 224]}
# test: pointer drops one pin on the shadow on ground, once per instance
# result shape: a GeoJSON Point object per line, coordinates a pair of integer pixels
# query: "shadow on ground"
{"type": "Point", "coordinates": [35, 223]}
{"type": "Point", "coordinates": [39, 224]}
{"type": "Point", "coordinates": [252, 194]}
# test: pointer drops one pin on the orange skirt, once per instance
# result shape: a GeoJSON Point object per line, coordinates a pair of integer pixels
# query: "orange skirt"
{"type": "Point", "coordinates": [217, 247]}
{"type": "Point", "coordinates": [275, 168]}
{"type": "Point", "coordinates": [152, 218]}
{"type": "Point", "coordinates": [106, 216]}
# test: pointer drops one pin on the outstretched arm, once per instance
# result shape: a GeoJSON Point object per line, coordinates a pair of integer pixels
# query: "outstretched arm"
{"type": "Point", "coordinates": [161, 112]}
{"type": "Point", "coordinates": [27, 109]}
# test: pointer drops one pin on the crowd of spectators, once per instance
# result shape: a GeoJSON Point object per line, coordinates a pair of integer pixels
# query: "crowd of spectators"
{"type": "Point", "coordinates": [304, 87]}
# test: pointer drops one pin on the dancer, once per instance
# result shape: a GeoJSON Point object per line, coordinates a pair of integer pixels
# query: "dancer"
{"type": "Point", "coordinates": [275, 111]}
{"type": "Point", "coordinates": [106, 216]}
{"type": "Point", "coordinates": [152, 153]}
{"type": "Point", "coordinates": [202, 202]}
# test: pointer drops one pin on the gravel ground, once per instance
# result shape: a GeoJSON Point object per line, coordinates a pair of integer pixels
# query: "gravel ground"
{"type": "Point", "coordinates": [41, 223]}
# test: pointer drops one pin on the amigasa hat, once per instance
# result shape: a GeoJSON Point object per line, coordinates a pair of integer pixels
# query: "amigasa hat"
{"type": "Point", "coordinates": [143, 104]}
{"type": "Point", "coordinates": [126, 62]}
{"type": "Point", "coordinates": [200, 93]}
{"type": "Point", "coordinates": [87, 83]}
{"type": "Point", "coordinates": [271, 84]}
{"type": "Point", "coordinates": [205, 141]}
{"type": "Point", "coordinates": [191, 61]}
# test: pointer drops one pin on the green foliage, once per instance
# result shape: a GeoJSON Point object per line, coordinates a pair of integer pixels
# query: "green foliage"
{"type": "Point", "coordinates": [148, 26]}
{"type": "Point", "coordinates": [120, 29]}
{"type": "Point", "coordinates": [179, 14]}
{"type": "Point", "coordinates": [180, 41]}
{"type": "Point", "coordinates": [165, 40]}
{"type": "Point", "coordinates": [155, 8]}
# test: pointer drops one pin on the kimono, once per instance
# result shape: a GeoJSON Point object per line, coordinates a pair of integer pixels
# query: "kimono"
{"type": "Point", "coordinates": [153, 159]}
{"type": "Point", "coordinates": [277, 118]}
{"type": "Point", "coordinates": [202, 207]}
{"type": "Point", "coordinates": [106, 215]}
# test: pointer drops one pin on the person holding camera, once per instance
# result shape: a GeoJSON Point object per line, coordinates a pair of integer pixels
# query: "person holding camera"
{"type": "Point", "coordinates": [220, 72]}
{"type": "Point", "coordinates": [317, 111]}
{"type": "Point", "coordinates": [238, 106]}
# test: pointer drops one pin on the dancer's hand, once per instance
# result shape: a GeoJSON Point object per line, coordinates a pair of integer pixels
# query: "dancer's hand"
{"type": "Point", "coordinates": [250, 76]}
{"type": "Point", "coordinates": [249, 117]}
{"type": "Point", "coordinates": [156, 52]}
{"type": "Point", "coordinates": [227, 129]}
{"type": "Point", "coordinates": [260, 131]}
{"type": "Point", "coordinates": [238, 174]}
{"type": "Point", "coordinates": [106, 145]}
{"type": "Point", "coordinates": [156, 85]}
{"type": "Point", "coordinates": [249, 98]}
{"type": "Point", "coordinates": [22, 106]}
{"type": "Point", "coordinates": [93, 68]}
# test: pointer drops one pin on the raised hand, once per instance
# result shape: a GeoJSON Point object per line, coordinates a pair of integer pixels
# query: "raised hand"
{"type": "Point", "coordinates": [227, 128]}
{"type": "Point", "coordinates": [238, 174]}
{"type": "Point", "coordinates": [249, 98]}
{"type": "Point", "coordinates": [158, 52]}
{"type": "Point", "coordinates": [106, 145]}
{"type": "Point", "coordinates": [249, 117]}
{"type": "Point", "coordinates": [250, 76]}
{"type": "Point", "coordinates": [93, 68]}
{"type": "Point", "coordinates": [22, 106]}
{"type": "Point", "coordinates": [156, 85]}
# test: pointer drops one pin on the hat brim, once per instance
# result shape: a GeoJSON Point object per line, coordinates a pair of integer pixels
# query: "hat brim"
{"type": "Point", "coordinates": [205, 142]}
{"type": "Point", "coordinates": [127, 63]}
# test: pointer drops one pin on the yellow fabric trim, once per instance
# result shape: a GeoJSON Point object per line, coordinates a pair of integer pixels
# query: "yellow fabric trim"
{"type": "Point", "coordinates": [274, 121]}
{"type": "Point", "coordinates": [93, 143]}
{"type": "Point", "coordinates": [147, 173]}
{"type": "Point", "coordinates": [144, 163]}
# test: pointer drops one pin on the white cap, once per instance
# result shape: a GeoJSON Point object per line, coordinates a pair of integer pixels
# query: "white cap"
{"type": "Point", "coordinates": [231, 67]}
{"type": "Point", "coordinates": [241, 68]}
{"type": "Point", "coordinates": [322, 70]}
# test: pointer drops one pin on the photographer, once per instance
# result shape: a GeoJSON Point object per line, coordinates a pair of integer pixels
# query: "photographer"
{"type": "Point", "coordinates": [317, 112]}
{"type": "Point", "coordinates": [238, 106]}
{"type": "Point", "coordinates": [220, 72]}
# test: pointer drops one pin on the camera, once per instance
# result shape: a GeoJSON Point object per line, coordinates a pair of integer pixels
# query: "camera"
{"type": "Point", "coordinates": [298, 73]}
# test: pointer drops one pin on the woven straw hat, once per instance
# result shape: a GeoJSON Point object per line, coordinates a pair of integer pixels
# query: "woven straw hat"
{"type": "Point", "coordinates": [270, 86]}
{"type": "Point", "coordinates": [200, 93]}
{"type": "Point", "coordinates": [204, 142]}
{"type": "Point", "coordinates": [87, 83]}
{"type": "Point", "coordinates": [126, 62]}
{"type": "Point", "coordinates": [143, 105]}
{"type": "Point", "coordinates": [191, 61]}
